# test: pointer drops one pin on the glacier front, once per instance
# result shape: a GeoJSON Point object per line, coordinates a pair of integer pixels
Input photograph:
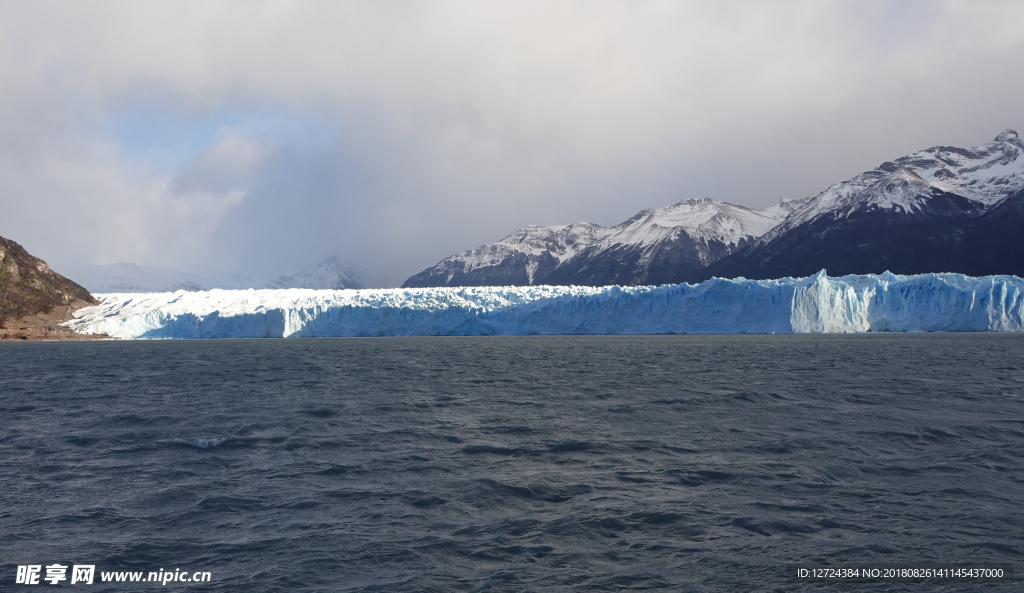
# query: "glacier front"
{"type": "Point", "coordinates": [816, 304]}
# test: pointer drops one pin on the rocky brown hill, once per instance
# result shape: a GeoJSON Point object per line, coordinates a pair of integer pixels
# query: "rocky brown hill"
{"type": "Point", "coordinates": [29, 287]}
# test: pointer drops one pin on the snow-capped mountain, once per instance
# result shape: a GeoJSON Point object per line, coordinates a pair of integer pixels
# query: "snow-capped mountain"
{"type": "Point", "coordinates": [924, 212]}
{"type": "Point", "coordinates": [984, 174]}
{"type": "Point", "coordinates": [944, 209]}
{"type": "Point", "coordinates": [331, 273]}
{"type": "Point", "coordinates": [664, 245]}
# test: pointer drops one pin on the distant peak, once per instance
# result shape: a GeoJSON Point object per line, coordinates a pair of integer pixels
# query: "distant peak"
{"type": "Point", "coordinates": [692, 202]}
{"type": "Point", "coordinates": [332, 259]}
{"type": "Point", "coordinates": [1007, 134]}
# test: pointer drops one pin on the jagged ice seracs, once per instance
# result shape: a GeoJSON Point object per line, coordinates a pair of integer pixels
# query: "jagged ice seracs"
{"type": "Point", "coordinates": [816, 304]}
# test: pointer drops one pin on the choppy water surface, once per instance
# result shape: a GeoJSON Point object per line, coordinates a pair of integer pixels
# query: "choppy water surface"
{"type": "Point", "coordinates": [518, 464]}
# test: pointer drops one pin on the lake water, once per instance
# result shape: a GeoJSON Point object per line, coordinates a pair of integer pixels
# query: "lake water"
{"type": "Point", "coordinates": [697, 463]}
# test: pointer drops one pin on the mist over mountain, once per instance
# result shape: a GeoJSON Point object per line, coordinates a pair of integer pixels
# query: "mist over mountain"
{"type": "Point", "coordinates": [130, 277]}
{"type": "Point", "coordinates": [331, 273]}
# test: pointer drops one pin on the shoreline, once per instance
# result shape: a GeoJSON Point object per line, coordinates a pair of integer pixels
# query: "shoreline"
{"type": "Point", "coordinates": [46, 327]}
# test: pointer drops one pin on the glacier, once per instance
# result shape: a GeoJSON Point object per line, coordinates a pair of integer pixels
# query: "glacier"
{"type": "Point", "coordinates": [815, 304]}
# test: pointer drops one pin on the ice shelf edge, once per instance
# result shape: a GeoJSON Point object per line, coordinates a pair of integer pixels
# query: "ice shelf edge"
{"type": "Point", "coordinates": [815, 304]}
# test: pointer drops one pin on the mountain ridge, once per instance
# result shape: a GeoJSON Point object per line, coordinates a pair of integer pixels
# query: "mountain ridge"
{"type": "Point", "coordinates": [935, 210]}
{"type": "Point", "coordinates": [908, 216]}
{"type": "Point", "coordinates": [654, 246]}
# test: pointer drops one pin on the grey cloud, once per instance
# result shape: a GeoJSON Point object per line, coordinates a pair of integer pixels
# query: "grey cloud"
{"type": "Point", "coordinates": [229, 164]}
{"type": "Point", "coordinates": [453, 123]}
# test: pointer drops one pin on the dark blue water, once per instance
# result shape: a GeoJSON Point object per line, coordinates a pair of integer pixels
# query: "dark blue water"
{"type": "Point", "coordinates": [703, 463]}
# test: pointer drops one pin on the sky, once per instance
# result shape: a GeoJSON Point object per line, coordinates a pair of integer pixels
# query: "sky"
{"type": "Point", "coordinates": [258, 137]}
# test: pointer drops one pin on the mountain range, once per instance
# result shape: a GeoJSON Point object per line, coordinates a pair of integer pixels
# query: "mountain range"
{"type": "Point", "coordinates": [943, 209]}
{"type": "Point", "coordinates": [666, 245]}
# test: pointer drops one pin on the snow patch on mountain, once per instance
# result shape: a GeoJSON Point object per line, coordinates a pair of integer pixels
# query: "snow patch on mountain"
{"type": "Point", "coordinates": [816, 304]}
{"type": "Point", "coordinates": [984, 174]}
{"type": "Point", "coordinates": [703, 220]}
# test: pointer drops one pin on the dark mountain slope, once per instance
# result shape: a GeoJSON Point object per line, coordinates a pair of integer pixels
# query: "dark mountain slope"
{"type": "Point", "coordinates": [866, 241]}
{"type": "Point", "coordinates": [944, 209]}
{"type": "Point", "coordinates": [28, 286]}
{"type": "Point", "coordinates": [994, 243]}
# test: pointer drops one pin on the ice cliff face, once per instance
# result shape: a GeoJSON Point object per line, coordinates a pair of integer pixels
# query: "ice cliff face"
{"type": "Point", "coordinates": [670, 244]}
{"type": "Point", "coordinates": [816, 304]}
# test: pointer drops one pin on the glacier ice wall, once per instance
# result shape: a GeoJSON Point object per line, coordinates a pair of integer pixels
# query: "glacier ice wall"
{"type": "Point", "coordinates": [816, 304]}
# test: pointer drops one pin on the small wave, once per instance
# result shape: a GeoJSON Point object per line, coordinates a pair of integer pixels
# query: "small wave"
{"type": "Point", "coordinates": [428, 501]}
{"type": "Point", "coordinates": [488, 491]}
{"type": "Point", "coordinates": [336, 470]}
{"type": "Point", "coordinates": [228, 504]}
{"type": "Point", "coordinates": [753, 525]}
{"type": "Point", "coordinates": [320, 413]}
{"type": "Point", "coordinates": [569, 445]}
{"type": "Point", "coordinates": [478, 449]}
{"type": "Point", "coordinates": [656, 518]}
{"type": "Point", "coordinates": [197, 443]}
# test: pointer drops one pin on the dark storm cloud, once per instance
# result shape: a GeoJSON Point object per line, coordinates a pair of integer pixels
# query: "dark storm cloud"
{"type": "Point", "coordinates": [394, 134]}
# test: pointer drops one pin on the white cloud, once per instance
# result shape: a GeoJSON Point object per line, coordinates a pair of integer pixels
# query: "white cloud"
{"type": "Point", "coordinates": [77, 202]}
